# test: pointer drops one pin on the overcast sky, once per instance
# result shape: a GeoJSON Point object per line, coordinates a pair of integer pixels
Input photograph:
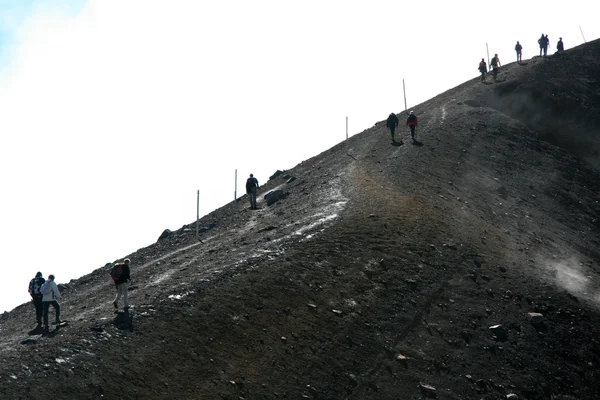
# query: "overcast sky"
{"type": "Point", "coordinates": [113, 113]}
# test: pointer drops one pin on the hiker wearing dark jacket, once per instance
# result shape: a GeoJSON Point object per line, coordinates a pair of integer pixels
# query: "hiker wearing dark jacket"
{"type": "Point", "coordinates": [483, 69]}
{"type": "Point", "coordinates": [560, 47]}
{"type": "Point", "coordinates": [412, 122]}
{"type": "Point", "coordinates": [251, 187]}
{"type": "Point", "coordinates": [51, 295]}
{"type": "Point", "coordinates": [392, 122]}
{"type": "Point", "coordinates": [35, 286]}
{"type": "Point", "coordinates": [518, 49]}
{"type": "Point", "coordinates": [121, 278]}
{"type": "Point", "coordinates": [541, 42]}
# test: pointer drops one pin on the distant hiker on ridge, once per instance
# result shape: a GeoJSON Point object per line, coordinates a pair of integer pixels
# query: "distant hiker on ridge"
{"type": "Point", "coordinates": [412, 122]}
{"type": "Point", "coordinates": [392, 122]}
{"type": "Point", "coordinates": [518, 49]}
{"type": "Point", "coordinates": [546, 44]}
{"type": "Point", "coordinates": [51, 295]}
{"type": "Point", "coordinates": [560, 47]}
{"type": "Point", "coordinates": [120, 274]}
{"type": "Point", "coordinates": [35, 286]}
{"type": "Point", "coordinates": [483, 69]}
{"type": "Point", "coordinates": [251, 186]}
{"type": "Point", "coordinates": [495, 63]}
{"type": "Point", "coordinates": [541, 42]}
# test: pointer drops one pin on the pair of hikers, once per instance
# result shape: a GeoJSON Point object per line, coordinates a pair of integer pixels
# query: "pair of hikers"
{"type": "Point", "coordinates": [543, 41]}
{"type": "Point", "coordinates": [494, 64]}
{"type": "Point", "coordinates": [412, 122]}
{"type": "Point", "coordinates": [44, 293]}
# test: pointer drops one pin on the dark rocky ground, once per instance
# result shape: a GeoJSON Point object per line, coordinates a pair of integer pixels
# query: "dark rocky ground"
{"type": "Point", "coordinates": [381, 272]}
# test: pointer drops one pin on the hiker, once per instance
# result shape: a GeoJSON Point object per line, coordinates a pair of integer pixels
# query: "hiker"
{"type": "Point", "coordinates": [483, 69]}
{"type": "Point", "coordinates": [251, 186]}
{"type": "Point", "coordinates": [392, 122]}
{"type": "Point", "coordinates": [121, 275]}
{"type": "Point", "coordinates": [541, 42]}
{"type": "Point", "coordinates": [412, 122]}
{"type": "Point", "coordinates": [546, 44]}
{"type": "Point", "coordinates": [51, 295]}
{"type": "Point", "coordinates": [518, 49]}
{"type": "Point", "coordinates": [35, 286]}
{"type": "Point", "coordinates": [560, 47]}
{"type": "Point", "coordinates": [495, 64]}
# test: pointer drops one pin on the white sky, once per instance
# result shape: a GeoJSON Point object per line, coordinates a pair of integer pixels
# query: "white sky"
{"type": "Point", "coordinates": [112, 117]}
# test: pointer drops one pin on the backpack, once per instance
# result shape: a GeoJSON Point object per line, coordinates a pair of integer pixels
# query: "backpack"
{"type": "Point", "coordinates": [45, 289]}
{"type": "Point", "coordinates": [116, 271]}
{"type": "Point", "coordinates": [35, 286]}
{"type": "Point", "coordinates": [249, 185]}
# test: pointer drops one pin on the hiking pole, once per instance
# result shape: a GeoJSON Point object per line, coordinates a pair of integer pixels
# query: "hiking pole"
{"type": "Point", "coordinates": [404, 90]}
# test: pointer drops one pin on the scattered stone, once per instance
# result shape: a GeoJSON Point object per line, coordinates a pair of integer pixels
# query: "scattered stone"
{"type": "Point", "coordinates": [29, 341]}
{"type": "Point", "coordinates": [410, 281]}
{"type": "Point", "coordinates": [500, 332]}
{"type": "Point", "coordinates": [469, 378]}
{"type": "Point", "coordinates": [402, 359]}
{"type": "Point", "coordinates": [535, 318]}
{"type": "Point", "coordinates": [512, 396]}
{"type": "Point", "coordinates": [337, 311]}
{"type": "Point", "coordinates": [353, 380]}
{"type": "Point", "coordinates": [276, 174]}
{"type": "Point", "coordinates": [96, 329]}
{"type": "Point", "coordinates": [292, 179]}
{"type": "Point", "coordinates": [311, 305]}
{"type": "Point", "coordinates": [451, 246]}
{"type": "Point", "coordinates": [502, 269]}
{"type": "Point", "coordinates": [428, 390]}
{"type": "Point", "coordinates": [283, 338]}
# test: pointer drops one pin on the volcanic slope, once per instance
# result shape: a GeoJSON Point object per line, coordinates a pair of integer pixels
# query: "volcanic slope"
{"type": "Point", "coordinates": [388, 271]}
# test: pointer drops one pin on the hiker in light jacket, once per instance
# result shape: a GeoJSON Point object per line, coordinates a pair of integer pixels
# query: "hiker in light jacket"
{"type": "Point", "coordinates": [121, 285]}
{"type": "Point", "coordinates": [51, 295]}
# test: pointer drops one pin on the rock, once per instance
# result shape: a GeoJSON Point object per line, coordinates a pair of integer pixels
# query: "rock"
{"type": "Point", "coordinates": [311, 305]}
{"type": "Point", "coordinates": [535, 318]}
{"type": "Point", "coordinates": [500, 332]}
{"type": "Point", "coordinates": [428, 390]}
{"type": "Point", "coordinates": [502, 269]}
{"type": "Point", "coordinates": [276, 174]}
{"type": "Point", "coordinates": [469, 378]}
{"type": "Point", "coordinates": [402, 359]}
{"type": "Point", "coordinates": [274, 196]}
{"type": "Point", "coordinates": [292, 179]}
{"type": "Point", "coordinates": [353, 380]}
{"type": "Point", "coordinates": [339, 312]}
{"type": "Point", "coordinates": [166, 233]}
{"type": "Point", "coordinates": [29, 341]}
{"type": "Point", "coordinates": [512, 396]}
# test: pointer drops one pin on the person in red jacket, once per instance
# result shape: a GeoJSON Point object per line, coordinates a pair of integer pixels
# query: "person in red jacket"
{"type": "Point", "coordinates": [412, 122]}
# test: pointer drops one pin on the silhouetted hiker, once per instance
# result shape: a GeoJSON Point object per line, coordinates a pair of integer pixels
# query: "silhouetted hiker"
{"type": "Point", "coordinates": [412, 122]}
{"type": "Point", "coordinates": [392, 122]}
{"type": "Point", "coordinates": [541, 42]}
{"type": "Point", "coordinates": [546, 44]}
{"type": "Point", "coordinates": [495, 64]}
{"type": "Point", "coordinates": [518, 49]}
{"type": "Point", "coordinates": [120, 274]}
{"type": "Point", "coordinates": [51, 295]}
{"type": "Point", "coordinates": [251, 186]}
{"type": "Point", "coordinates": [35, 286]}
{"type": "Point", "coordinates": [560, 47]}
{"type": "Point", "coordinates": [483, 69]}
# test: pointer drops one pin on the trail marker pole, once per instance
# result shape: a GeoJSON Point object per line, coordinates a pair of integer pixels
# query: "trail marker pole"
{"type": "Point", "coordinates": [346, 128]}
{"type": "Point", "coordinates": [198, 214]}
{"type": "Point", "coordinates": [404, 90]}
{"type": "Point", "coordinates": [488, 53]}
{"type": "Point", "coordinates": [235, 187]}
{"type": "Point", "coordinates": [581, 30]}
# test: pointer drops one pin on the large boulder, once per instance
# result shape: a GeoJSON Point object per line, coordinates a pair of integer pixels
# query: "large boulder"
{"type": "Point", "coordinates": [276, 174]}
{"type": "Point", "coordinates": [166, 233]}
{"type": "Point", "coordinates": [274, 196]}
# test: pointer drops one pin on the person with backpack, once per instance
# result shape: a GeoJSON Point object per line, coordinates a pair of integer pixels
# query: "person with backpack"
{"type": "Point", "coordinates": [35, 286]}
{"type": "Point", "coordinates": [412, 122]}
{"type": "Point", "coordinates": [518, 49]}
{"type": "Point", "coordinates": [483, 69]}
{"type": "Point", "coordinates": [546, 44]}
{"type": "Point", "coordinates": [120, 274]}
{"type": "Point", "coordinates": [51, 295]}
{"type": "Point", "coordinates": [495, 64]}
{"type": "Point", "coordinates": [251, 187]}
{"type": "Point", "coordinates": [392, 122]}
